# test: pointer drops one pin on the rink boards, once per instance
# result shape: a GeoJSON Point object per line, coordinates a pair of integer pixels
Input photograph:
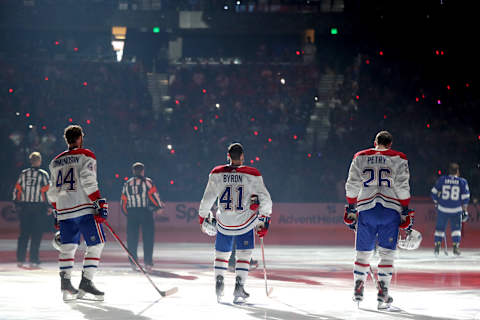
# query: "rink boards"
{"type": "Point", "coordinates": [293, 223]}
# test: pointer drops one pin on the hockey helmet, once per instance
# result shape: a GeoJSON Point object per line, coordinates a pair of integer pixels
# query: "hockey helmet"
{"type": "Point", "coordinates": [411, 241]}
{"type": "Point", "coordinates": [56, 241]}
{"type": "Point", "coordinates": [209, 225]}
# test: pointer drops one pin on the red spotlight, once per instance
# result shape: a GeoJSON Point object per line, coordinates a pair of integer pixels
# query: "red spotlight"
{"type": "Point", "coordinates": [441, 53]}
{"type": "Point", "coordinates": [295, 137]}
{"type": "Point", "coordinates": [172, 182]}
{"type": "Point", "coordinates": [439, 172]}
{"type": "Point", "coordinates": [27, 115]}
{"type": "Point", "coordinates": [428, 125]}
{"type": "Point", "coordinates": [448, 87]}
{"type": "Point", "coordinates": [126, 178]}
{"type": "Point", "coordinates": [252, 119]}
{"type": "Point", "coordinates": [384, 116]}
{"type": "Point", "coordinates": [467, 85]}
{"type": "Point", "coordinates": [177, 102]}
{"type": "Point", "coordinates": [309, 155]}
{"type": "Point", "coordinates": [439, 102]}
{"type": "Point", "coordinates": [367, 61]}
{"type": "Point", "coordinates": [297, 53]}
{"type": "Point", "coordinates": [46, 78]}
{"type": "Point", "coordinates": [201, 120]}
{"type": "Point", "coordinates": [257, 158]}
{"type": "Point", "coordinates": [44, 127]}
{"type": "Point", "coordinates": [70, 120]}
{"type": "Point", "coordinates": [10, 90]}
{"type": "Point", "coordinates": [75, 49]}
{"type": "Point", "coordinates": [57, 43]}
{"type": "Point", "coordinates": [417, 99]}
{"type": "Point", "coordinates": [172, 151]}
{"type": "Point", "coordinates": [269, 139]}
{"type": "Point", "coordinates": [437, 52]}
{"type": "Point", "coordinates": [255, 133]}
{"type": "Point", "coordinates": [85, 83]}
{"type": "Point", "coordinates": [89, 121]}
{"type": "Point", "coordinates": [251, 161]}
{"type": "Point", "coordinates": [117, 175]}
{"type": "Point", "coordinates": [204, 90]}
{"type": "Point", "coordinates": [195, 128]}
{"type": "Point", "coordinates": [216, 116]}
{"type": "Point", "coordinates": [381, 53]}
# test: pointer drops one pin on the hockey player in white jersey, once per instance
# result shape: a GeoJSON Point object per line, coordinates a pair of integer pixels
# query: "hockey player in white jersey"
{"type": "Point", "coordinates": [244, 206]}
{"type": "Point", "coordinates": [80, 210]}
{"type": "Point", "coordinates": [378, 195]}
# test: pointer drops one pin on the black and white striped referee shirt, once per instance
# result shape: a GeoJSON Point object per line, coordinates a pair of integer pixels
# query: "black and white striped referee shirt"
{"type": "Point", "coordinates": [31, 186]}
{"type": "Point", "coordinates": [139, 193]}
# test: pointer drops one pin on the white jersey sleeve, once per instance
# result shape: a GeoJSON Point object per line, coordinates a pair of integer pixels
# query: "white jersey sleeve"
{"type": "Point", "coordinates": [209, 196]}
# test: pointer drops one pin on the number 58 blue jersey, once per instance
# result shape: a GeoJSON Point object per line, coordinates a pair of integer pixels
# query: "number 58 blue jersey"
{"type": "Point", "coordinates": [451, 193]}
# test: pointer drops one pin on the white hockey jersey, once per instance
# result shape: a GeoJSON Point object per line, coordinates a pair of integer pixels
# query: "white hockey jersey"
{"type": "Point", "coordinates": [74, 183]}
{"type": "Point", "coordinates": [378, 176]}
{"type": "Point", "coordinates": [233, 187]}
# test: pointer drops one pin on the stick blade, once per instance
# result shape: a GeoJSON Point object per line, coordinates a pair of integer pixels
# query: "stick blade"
{"type": "Point", "coordinates": [169, 292]}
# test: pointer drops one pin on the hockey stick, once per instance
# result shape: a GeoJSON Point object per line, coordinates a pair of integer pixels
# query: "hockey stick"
{"type": "Point", "coordinates": [267, 291]}
{"type": "Point", "coordinates": [445, 249]}
{"type": "Point", "coordinates": [162, 293]}
{"type": "Point", "coordinates": [373, 277]}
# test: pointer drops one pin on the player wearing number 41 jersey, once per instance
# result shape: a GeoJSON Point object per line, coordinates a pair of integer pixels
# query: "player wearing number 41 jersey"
{"type": "Point", "coordinates": [451, 196]}
{"type": "Point", "coordinates": [244, 204]}
{"type": "Point", "coordinates": [378, 194]}
{"type": "Point", "coordinates": [79, 212]}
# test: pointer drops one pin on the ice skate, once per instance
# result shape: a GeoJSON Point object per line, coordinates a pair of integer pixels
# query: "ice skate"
{"type": "Point", "coordinates": [358, 291]}
{"type": "Point", "coordinates": [219, 286]}
{"type": "Point", "coordinates": [384, 300]}
{"type": "Point", "coordinates": [68, 291]}
{"type": "Point", "coordinates": [240, 295]}
{"type": "Point", "coordinates": [88, 291]}
{"type": "Point", "coordinates": [456, 249]}
{"type": "Point", "coordinates": [436, 251]}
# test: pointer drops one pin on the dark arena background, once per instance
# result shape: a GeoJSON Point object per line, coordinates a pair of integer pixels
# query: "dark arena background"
{"type": "Point", "coordinates": [303, 85]}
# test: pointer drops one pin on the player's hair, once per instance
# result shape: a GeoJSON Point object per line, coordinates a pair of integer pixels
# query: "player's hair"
{"type": "Point", "coordinates": [137, 168]}
{"type": "Point", "coordinates": [453, 168]}
{"type": "Point", "coordinates": [384, 138]}
{"type": "Point", "coordinates": [235, 150]}
{"type": "Point", "coordinates": [35, 156]}
{"type": "Point", "coordinates": [72, 133]}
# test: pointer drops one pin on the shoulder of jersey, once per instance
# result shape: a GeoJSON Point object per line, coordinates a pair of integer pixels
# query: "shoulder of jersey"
{"type": "Point", "coordinates": [388, 153]}
{"type": "Point", "coordinates": [243, 169]}
{"type": "Point", "coordinates": [43, 171]}
{"type": "Point", "coordinates": [85, 152]}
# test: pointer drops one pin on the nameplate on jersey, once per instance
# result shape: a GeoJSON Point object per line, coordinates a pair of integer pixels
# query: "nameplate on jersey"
{"type": "Point", "coordinates": [232, 178]}
{"type": "Point", "coordinates": [65, 161]}
{"type": "Point", "coordinates": [376, 159]}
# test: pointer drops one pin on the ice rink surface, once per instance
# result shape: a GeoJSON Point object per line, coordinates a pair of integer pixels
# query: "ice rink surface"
{"type": "Point", "coordinates": [309, 283]}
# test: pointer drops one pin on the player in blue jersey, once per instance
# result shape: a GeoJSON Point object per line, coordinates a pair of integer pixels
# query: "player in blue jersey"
{"type": "Point", "coordinates": [451, 196]}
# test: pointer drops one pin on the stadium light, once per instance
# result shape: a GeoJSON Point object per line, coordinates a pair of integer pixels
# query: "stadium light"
{"type": "Point", "coordinates": [333, 31]}
{"type": "Point", "coordinates": [156, 29]}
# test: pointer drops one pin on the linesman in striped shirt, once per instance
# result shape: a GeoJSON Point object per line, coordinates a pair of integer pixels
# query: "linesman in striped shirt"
{"type": "Point", "coordinates": [140, 201]}
{"type": "Point", "coordinates": [31, 205]}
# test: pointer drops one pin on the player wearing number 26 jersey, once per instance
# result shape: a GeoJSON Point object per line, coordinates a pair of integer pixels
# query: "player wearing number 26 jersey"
{"type": "Point", "coordinates": [378, 194]}
{"type": "Point", "coordinates": [243, 204]}
{"type": "Point", "coordinates": [451, 196]}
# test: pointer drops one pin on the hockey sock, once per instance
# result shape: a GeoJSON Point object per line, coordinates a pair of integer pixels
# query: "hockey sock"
{"type": "Point", "coordinates": [243, 264]}
{"type": "Point", "coordinates": [221, 262]}
{"type": "Point", "coordinates": [91, 260]}
{"type": "Point", "coordinates": [385, 266]}
{"type": "Point", "coordinates": [66, 258]}
{"type": "Point", "coordinates": [439, 236]}
{"type": "Point", "coordinates": [456, 236]}
{"type": "Point", "coordinates": [361, 265]}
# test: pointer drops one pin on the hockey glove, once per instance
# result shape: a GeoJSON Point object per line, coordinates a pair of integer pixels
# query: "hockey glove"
{"type": "Point", "coordinates": [254, 202]}
{"type": "Point", "coordinates": [465, 216]}
{"type": "Point", "coordinates": [407, 219]}
{"type": "Point", "coordinates": [262, 226]}
{"type": "Point", "coordinates": [350, 216]}
{"type": "Point", "coordinates": [101, 206]}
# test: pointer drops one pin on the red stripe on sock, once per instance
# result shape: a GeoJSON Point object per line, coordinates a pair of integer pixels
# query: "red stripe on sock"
{"type": "Point", "coordinates": [63, 260]}
{"type": "Point", "coordinates": [385, 266]}
{"type": "Point", "coordinates": [220, 260]}
{"type": "Point", "coordinates": [362, 264]}
{"type": "Point", "coordinates": [98, 259]}
{"type": "Point", "coordinates": [243, 261]}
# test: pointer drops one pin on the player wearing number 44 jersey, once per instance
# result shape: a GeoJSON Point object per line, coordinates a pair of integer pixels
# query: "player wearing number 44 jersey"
{"type": "Point", "coordinates": [244, 205]}
{"type": "Point", "coordinates": [451, 196]}
{"type": "Point", "coordinates": [378, 194]}
{"type": "Point", "coordinates": [79, 211]}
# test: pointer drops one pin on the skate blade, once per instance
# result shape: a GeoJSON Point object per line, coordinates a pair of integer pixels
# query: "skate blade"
{"type": "Point", "coordinates": [82, 295]}
{"type": "Point", "coordinates": [68, 296]}
{"type": "Point", "coordinates": [239, 300]}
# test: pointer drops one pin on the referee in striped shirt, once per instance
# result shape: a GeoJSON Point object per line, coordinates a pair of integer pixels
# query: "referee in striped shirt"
{"type": "Point", "coordinates": [31, 206]}
{"type": "Point", "coordinates": [140, 200]}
